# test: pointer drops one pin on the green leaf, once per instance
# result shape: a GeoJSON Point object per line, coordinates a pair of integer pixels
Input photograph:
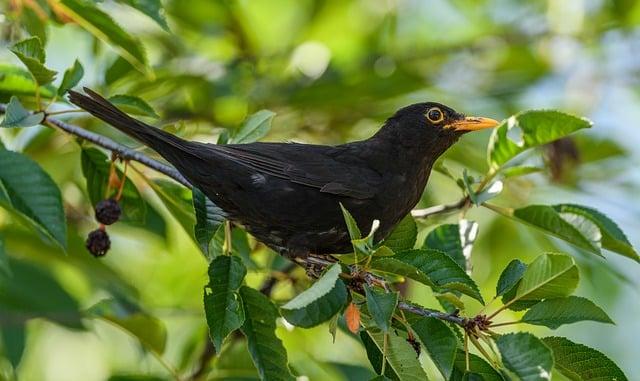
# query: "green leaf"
{"type": "Point", "coordinates": [550, 221]}
{"type": "Point", "coordinates": [519, 171]}
{"type": "Point", "coordinates": [31, 53]}
{"type": "Point", "coordinates": [403, 236]}
{"type": "Point", "coordinates": [16, 81]}
{"type": "Point", "coordinates": [266, 349]}
{"type": "Point", "coordinates": [30, 191]}
{"type": "Point", "coordinates": [548, 276]}
{"type": "Point", "coordinates": [613, 238]}
{"type": "Point", "coordinates": [352, 225]}
{"type": "Point", "coordinates": [381, 306]}
{"type": "Point", "coordinates": [72, 77]}
{"type": "Point", "coordinates": [117, 70]}
{"type": "Point", "coordinates": [555, 312]}
{"type": "Point", "coordinates": [149, 330]}
{"type": "Point", "coordinates": [209, 217]}
{"type": "Point", "coordinates": [34, 24]}
{"type": "Point", "coordinates": [317, 304]}
{"type": "Point", "coordinates": [453, 240]}
{"type": "Point", "coordinates": [102, 26]}
{"type": "Point", "coordinates": [254, 128]}
{"type": "Point", "coordinates": [13, 341]}
{"type": "Point", "coordinates": [430, 267]}
{"type": "Point", "coordinates": [222, 303]}
{"type": "Point", "coordinates": [95, 168]}
{"type": "Point", "coordinates": [178, 201]}
{"type": "Point", "coordinates": [538, 127]}
{"type": "Point", "coordinates": [402, 361]}
{"type": "Point", "coordinates": [5, 270]}
{"type": "Point", "coordinates": [510, 277]}
{"type": "Point", "coordinates": [17, 116]}
{"type": "Point", "coordinates": [581, 363]}
{"type": "Point", "coordinates": [476, 365]}
{"type": "Point", "coordinates": [151, 8]}
{"type": "Point", "coordinates": [440, 341]}
{"type": "Point", "coordinates": [32, 292]}
{"type": "Point", "coordinates": [133, 105]}
{"type": "Point", "coordinates": [526, 356]}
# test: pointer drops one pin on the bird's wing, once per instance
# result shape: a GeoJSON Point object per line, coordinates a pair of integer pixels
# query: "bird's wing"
{"type": "Point", "coordinates": [320, 167]}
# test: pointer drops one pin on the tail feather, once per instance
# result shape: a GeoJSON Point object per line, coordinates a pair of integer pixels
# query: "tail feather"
{"type": "Point", "coordinates": [101, 108]}
{"type": "Point", "coordinates": [179, 152]}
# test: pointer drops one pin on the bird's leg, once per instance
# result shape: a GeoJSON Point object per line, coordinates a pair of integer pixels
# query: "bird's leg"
{"type": "Point", "coordinates": [314, 264]}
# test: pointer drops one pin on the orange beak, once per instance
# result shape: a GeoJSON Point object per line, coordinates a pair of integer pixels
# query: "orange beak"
{"type": "Point", "coordinates": [471, 123]}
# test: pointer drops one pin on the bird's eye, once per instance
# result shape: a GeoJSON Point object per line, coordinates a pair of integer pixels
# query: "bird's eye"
{"type": "Point", "coordinates": [435, 115]}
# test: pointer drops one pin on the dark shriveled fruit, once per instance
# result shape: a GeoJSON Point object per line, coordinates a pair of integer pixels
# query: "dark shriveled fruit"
{"type": "Point", "coordinates": [108, 211]}
{"type": "Point", "coordinates": [98, 243]}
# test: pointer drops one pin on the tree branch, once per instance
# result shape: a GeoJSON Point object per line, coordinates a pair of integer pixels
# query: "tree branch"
{"type": "Point", "coordinates": [439, 209]}
{"type": "Point", "coordinates": [122, 151]}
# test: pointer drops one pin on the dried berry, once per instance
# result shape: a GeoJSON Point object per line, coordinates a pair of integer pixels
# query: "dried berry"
{"type": "Point", "coordinates": [108, 211]}
{"type": "Point", "coordinates": [98, 243]}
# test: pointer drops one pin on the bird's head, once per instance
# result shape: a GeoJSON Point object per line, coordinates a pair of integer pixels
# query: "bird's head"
{"type": "Point", "coordinates": [432, 125]}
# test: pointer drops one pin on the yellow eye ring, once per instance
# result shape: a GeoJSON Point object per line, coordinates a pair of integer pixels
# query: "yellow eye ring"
{"type": "Point", "coordinates": [435, 115]}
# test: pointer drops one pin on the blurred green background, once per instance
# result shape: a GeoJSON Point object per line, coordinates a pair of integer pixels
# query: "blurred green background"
{"type": "Point", "coordinates": [333, 71]}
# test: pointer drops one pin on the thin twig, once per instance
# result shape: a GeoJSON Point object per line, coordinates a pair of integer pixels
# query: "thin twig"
{"type": "Point", "coordinates": [439, 209]}
{"type": "Point", "coordinates": [122, 151]}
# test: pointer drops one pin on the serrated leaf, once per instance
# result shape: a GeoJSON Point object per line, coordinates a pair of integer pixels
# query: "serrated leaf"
{"type": "Point", "coordinates": [151, 8]}
{"type": "Point", "coordinates": [72, 77]}
{"type": "Point", "coordinates": [537, 127]}
{"type": "Point", "coordinates": [526, 356]}
{"type": "Point", "coordinates": [431, 267]}
{"type": "Point", "coordinates": [317, 304]}
{"type": "Point", "coordinates": [476, 365]}
{"type": "Point", "coordinates": [555, 312]}
{"type": "Point", "coordinates": [581, 363]}
{"type": "Point", "coordinates": [254, 128]}
{"type": "Point", "coordinates": [440, 341]}
{"type": "Point", "coordinates": [403, 236]}
{"type": "Point", "coordinates": [209, 217]}
{"type": "Point", "coordinates": [402, 362]}
{"type": "Point", "coordinates": [148, 329]}
{"type": "Point", "coordinates": [222, 304]}
{"type": "Point", "coordinates": [446, 238]}
{"type": "Point", "coordinates": [96, 168]}
{"type": "Point", "coordinates": [612, 237]}
{"type": "Point", "coordinates": [266, 349]}
{"type": "Point", "coordinates": [16, 81]}
{"type": "Point", "coordinates": [381, 306]}
{"type": "Point", "coordinates": [30, 191]}
{"type": "Point", "coordinates": [102, 26]}
{"type": "Point", "coordinates": [31, 53]}
{"type": "Point", "coordinates": [550, 221]}
{"type": "Point", "coordinates": [133, 105]}
{"type": "Point", "coordinates": [510, 277]}
{"type": "Point", "coordinates": [17, 116]}
{"type": "Point", "coordinates": [548, 276]}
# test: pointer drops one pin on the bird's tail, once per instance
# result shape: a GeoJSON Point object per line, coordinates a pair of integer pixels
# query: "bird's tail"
{"type": "Point", "coordinates": [174, 149]}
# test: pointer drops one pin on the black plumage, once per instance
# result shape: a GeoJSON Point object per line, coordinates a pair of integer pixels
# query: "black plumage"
{"type": "Point", "coordinates": [288, 195]}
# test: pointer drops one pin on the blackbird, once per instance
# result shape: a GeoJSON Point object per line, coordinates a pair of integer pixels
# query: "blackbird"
{"type": "Point", "coordinates": [288, 195]}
